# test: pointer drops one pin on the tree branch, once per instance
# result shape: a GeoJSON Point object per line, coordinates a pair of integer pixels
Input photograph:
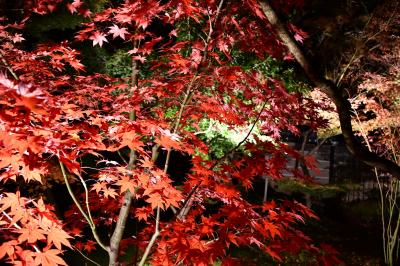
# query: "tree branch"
{"type": "Point", "coordinates": [119, 229]}
{"type": "Point", "coordinates": [86, 257]}
{"type": "Point", "coordinates": [189, 198]}
{"type": "Point", "coordinates": [123, 215]}
{"type": "Point", "coordinates": [152, 240]}
{"type": "Point", "coordinates": [189, 91]}
{"type": "Point", "coordinates": [343, 105]}
{"type": "Point", "coordinates": [87, 218]}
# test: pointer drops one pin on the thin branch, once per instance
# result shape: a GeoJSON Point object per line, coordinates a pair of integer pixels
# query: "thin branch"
{"type": "Point", "coordinates": [122, 157]}
{"type": "Point", "coordinates": [382, 198]}
{"type": "Point", "coordinates": [86, 257]}
{"type": "Point", "coordinates": [152, 240]}
{"type": "Point", "coordinates": [347, 67]}
{"type": "Point", "coordinates": [316, 148]}
{"type": "Point", "coordinates": [387, 24]}
{"type": "Point", "coordinates": [189, 92]}
{"type": "Point", "coordinates": [87, 200]}
{"type": "Point", "coordinates": [9, 218]}
{"type": "Point", "coordinates": [87, 218]}
{"type": "Point", "coordinates": [243, 140]}
{"type": "Point", "coordinates": [217, 14]}
{"type": "Point", "coordinates": [303, 146]}
{"type": "Point", "coordinates": [178, 120]}
{"type": "Point", "coordinates": [188, 201]}
{"type": "Point", "coordinates": [301, 161]}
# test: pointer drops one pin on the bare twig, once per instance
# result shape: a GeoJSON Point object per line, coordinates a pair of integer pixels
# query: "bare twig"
{"type": "Point", "coordinates": [244, 139]}
{"type": "Point", "coordinates": [316, 148]}
{"type": "Point", "coordinates": [86, 257]}
{"type": "Point", "coordinates": [189, 91]}
{"type": "Point", "coordinates": [9, 218]}
{"type": "Point", "coordinates": [346, 68]}
{"type": "Point", "coordinates": [122, 157]}
{"type": "Point", "coordinates": [87, 200]}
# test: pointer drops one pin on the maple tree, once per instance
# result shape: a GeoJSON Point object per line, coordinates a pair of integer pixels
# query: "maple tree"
{"type": "Point", "coordinates": [53, 111]}
{"type": "Point", "coordinates": [335, 92]}
{"type": "Point", "coordinates": [365, 67]}
{"type": "Point", "coordinates": [375, 103]}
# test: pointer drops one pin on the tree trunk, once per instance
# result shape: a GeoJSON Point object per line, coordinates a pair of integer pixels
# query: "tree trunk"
{"type": "Point", "coordinates": [113, 251]}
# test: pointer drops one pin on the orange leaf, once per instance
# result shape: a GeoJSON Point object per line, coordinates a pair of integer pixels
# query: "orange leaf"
{"type": "Point", "coordinates": [49, 258]}
{"type": "Point", "coordinates": [142, 213]}
{"type": "Point", "coordinates": [8, 248]}
{"type": "Point", "coordinates": [31, 233]}
{"type": "Point", "coordinates": [110, 192]}
{"type": "Point", "coordinates": [155, 200]}
{"type": "Point", "coordinates": [167, 142]}
{"type": "Point", "coordinates": [12, 200]}
{"type": "Point", "coordinates": [126, 184]}
{"type": "Point", "coordinates": [57, 236]}
{"type": "Point", "coordinates": [99, 186]}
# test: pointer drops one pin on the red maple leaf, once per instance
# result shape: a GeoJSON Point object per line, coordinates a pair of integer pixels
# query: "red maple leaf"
{"type": "Point", "coordinates": [99, 186]}
{"type": "Point", "coordinates": [143, 213]}
{"type": "Point", "coordinates": [146, 163]}
{"type": "Point", "coordinates": [88, 122]}
{"type": "Point", "coordinates": [118, 32]}
{"type": "Point", "coordinates": [98, 38]}
{"type": "Point", "coordinates": [17, 38]}
{"type": "Point", "coordinates": [168, 142]}
{"type": "Point", "coordinates": [74, 6]}
{"type": "Point", "coordinates": [140, 58]}
{"type": "Point", "coordinates": [90, 245]}
{"type": "Point", "coordinates": [155, 200]}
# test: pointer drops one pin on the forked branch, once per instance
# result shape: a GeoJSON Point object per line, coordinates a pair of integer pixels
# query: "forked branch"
{"type": "Point", "coordinates": [78, 205]}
